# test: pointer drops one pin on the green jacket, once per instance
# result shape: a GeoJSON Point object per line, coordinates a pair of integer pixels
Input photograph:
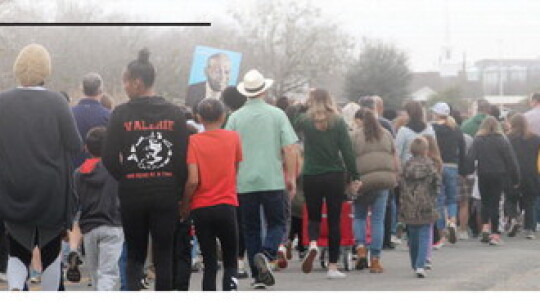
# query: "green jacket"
{"type": "Point", "coordinates": [471, 125]}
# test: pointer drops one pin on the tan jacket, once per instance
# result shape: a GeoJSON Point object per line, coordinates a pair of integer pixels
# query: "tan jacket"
{"type": "Point", "coordinates": [375, 161]}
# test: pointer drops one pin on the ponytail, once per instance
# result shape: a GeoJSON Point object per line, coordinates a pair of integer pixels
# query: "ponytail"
{"type": "Point", "coordinates": [372, 128]}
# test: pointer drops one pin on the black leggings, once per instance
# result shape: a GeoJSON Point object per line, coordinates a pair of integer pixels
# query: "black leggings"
{"type": "Point", "coordinates": [296, 231]}
{"type": "Point", "coordinates": [157, 216]}
{"type": "Point", "coordinates": [182, 256]}
{"type": "Point", "coordinates": [49, 253]}
{"type": "Point", "coordinates": [491, 187]}
{"type": "Point", "coordinates": [329, 187]}
{"type": "Point", "coordinates": [217, 222]}
{"type": "Point", "coordinates": [241, 241]}
{"type": "Point", "coordinates": [517, 201]}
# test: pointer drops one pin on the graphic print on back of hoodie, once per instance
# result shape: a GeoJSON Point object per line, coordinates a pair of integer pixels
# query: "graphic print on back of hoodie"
{"type": "Point", "coordinates": [150, 136]}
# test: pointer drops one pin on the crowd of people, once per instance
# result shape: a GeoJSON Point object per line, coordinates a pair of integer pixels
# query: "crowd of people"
{"type": "Point", "coordinates": [144, 187]}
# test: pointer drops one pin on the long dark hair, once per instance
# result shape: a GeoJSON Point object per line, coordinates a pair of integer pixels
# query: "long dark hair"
{"type": "Point", "coordinates": [416, 115]}
{"type": "Point", "coordinates": [372, 128]}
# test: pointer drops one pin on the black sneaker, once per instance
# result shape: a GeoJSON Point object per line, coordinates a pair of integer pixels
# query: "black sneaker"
{"type": "Point", "coordinates": [258, 285]}
{"type": "Point", "coordinates": [73, 274]}
{"type": "Point", "coordinates": [242, 274]}
{"type": "Point", "coordinates": [513, 229]}
{"type": "Point", "coordinates": [485, 237]}
{"type": "Point", "coordinates": [452, 238]}
{"type": "Point", "coordinates": [265, 273]}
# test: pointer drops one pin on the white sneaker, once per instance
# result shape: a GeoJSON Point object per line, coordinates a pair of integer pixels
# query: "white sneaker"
{"type": "Point", "coordinates": [242, 273]}
{"type": "Point", "coordinates": [335, 274]}
{"type": "Point", "coordinates": [394, 240]}
{"type": "Point", "coordinates": [3, 277]}
{"type": "Point", "coordinates": [420, 273]}
{"type": "Point", "coordinates": [530, 235]}
{"type": "Point", "coordinates": [463, 235]}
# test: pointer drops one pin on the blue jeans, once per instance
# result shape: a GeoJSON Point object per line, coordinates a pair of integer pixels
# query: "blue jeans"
{"type": "Point", "coordinates": [272, 203]}
{"type": "Point", "coordinates": [378, 210]}
{"type": "Point", "coordinates": [418, 244]}
{"type": "Point", "coordinates": [447, 199]}
{"type": "Point", "coordinates": [122, 262]}
{"type": "Point", "coordinates": [393, 209]}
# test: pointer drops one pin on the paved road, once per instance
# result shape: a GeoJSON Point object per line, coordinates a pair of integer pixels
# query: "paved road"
{"type": "Point", "coordinates": [467, 265]}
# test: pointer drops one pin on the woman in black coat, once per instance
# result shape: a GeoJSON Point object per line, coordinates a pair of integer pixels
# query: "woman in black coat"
{"type": "Point", "coordinates": [38, 139]}
{"type": "Point", "coordinates": [497, 165]}
{"type": "Point", "coordinates": [526, 146]}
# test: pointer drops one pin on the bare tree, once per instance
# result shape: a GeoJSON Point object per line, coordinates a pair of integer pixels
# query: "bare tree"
{"type": "Point", "coordinates": [292, 42]}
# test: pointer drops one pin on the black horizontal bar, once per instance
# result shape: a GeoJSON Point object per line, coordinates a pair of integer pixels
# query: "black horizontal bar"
{"type": "Point", "coordinates": [57, 24]}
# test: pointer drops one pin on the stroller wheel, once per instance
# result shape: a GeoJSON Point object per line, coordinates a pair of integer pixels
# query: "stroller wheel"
{"type": "Point", "coordinates": [348, 261]}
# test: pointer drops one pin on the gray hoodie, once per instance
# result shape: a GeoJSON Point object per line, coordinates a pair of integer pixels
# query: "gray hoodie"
{"type": "Point", "coordinates": [405, 137]}
{"type": "Point", "coordinates": [97, 195]}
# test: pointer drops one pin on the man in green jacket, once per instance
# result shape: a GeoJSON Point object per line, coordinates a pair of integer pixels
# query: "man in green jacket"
{"type": "Point", "coordinates": [471, 125]}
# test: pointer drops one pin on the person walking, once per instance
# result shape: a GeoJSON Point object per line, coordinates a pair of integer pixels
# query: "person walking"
{"type": "Point", "coordinates": [377, 165]}
{"type": "Point", "coordinates": [88, 114]}
{"type": "Point", "coordinates": [452, 150]}
{"type": "Point", "coordinates": [97, 195]}
{"type": "Point", "coordinates": [267, 135]}
{"type": "Point", "coordinates": [327, 146]}
{"type": "Point", "coordinates": [496, 160]}
{"type": "Point", "coordinates": [145, 150]}
{"type": "Point", "coordinates": [420, 184]}
{"type": "Point", "coordinates": [526, 146]}
{"type": "Point", "coordinates": [210, 193]}
{"type": "Point", "coordinates": [38, 140]}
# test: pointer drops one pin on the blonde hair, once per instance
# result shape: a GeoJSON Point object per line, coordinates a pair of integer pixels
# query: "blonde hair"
{"type": "Point", "coordinates": [400, 121]}
{"type": "Point", "coordinates": [433, 152]}
{"type": "Point", "coordinates": [419, 146]}
{"type": "Point", "coordinates": [490, 125]}
{"type": "Point", "coordinates": [321, 108]}
{"type": "Point", "coordinates": [448, 121]}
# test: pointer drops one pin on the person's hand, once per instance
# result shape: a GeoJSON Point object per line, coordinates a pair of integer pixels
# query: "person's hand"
{"type": "Point", "coordinates": [355, 186]}
{"type": "Point", "coordinates": [291, 187]}
{"type": "Point", "coordinates": [184, 212]}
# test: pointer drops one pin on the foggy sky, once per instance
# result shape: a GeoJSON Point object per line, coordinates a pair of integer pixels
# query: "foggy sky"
{"type": "Point", "coordinates": [481, 29]}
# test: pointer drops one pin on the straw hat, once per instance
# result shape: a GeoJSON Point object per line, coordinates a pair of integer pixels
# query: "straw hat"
{"type": "Point", "coordinates": [254, 84]}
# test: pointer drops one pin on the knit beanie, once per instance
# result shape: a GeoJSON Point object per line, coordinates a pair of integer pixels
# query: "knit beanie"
{"type": "Point", "coordinates": [32, 66]}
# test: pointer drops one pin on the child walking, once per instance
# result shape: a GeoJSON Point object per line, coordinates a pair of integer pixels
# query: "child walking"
{"type": "Point", "coordinates": [100, 220]}
{"type": "Point", "coordinates": [419, 189]}
{"type": "Point", "coordinates": [210, 192]}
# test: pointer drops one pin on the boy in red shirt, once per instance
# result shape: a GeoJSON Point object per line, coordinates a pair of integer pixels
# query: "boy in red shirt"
{"type": "Point", "coordinates": [210, 193]}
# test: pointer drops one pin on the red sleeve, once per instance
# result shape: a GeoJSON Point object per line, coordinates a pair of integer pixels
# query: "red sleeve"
{"type": "Point", "coordinates": [191, 157]}
{"type": "Point", "coordinates": [238, 148]}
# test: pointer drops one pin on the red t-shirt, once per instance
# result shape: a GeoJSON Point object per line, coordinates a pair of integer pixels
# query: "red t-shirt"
{"type": "Point", "coordinates": [216, 154]}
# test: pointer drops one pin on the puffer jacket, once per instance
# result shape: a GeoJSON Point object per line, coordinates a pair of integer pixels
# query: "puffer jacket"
{"type": "Point", "coordinates": [419, 189]}
{"type": "Point", "coordinates": [375, 161]}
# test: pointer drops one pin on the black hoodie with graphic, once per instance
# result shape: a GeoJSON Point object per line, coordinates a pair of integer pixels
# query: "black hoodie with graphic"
{"type": "Point", "coordinates": [145, 148]}
{"type": "Point", "coordinates": [97, 196]}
